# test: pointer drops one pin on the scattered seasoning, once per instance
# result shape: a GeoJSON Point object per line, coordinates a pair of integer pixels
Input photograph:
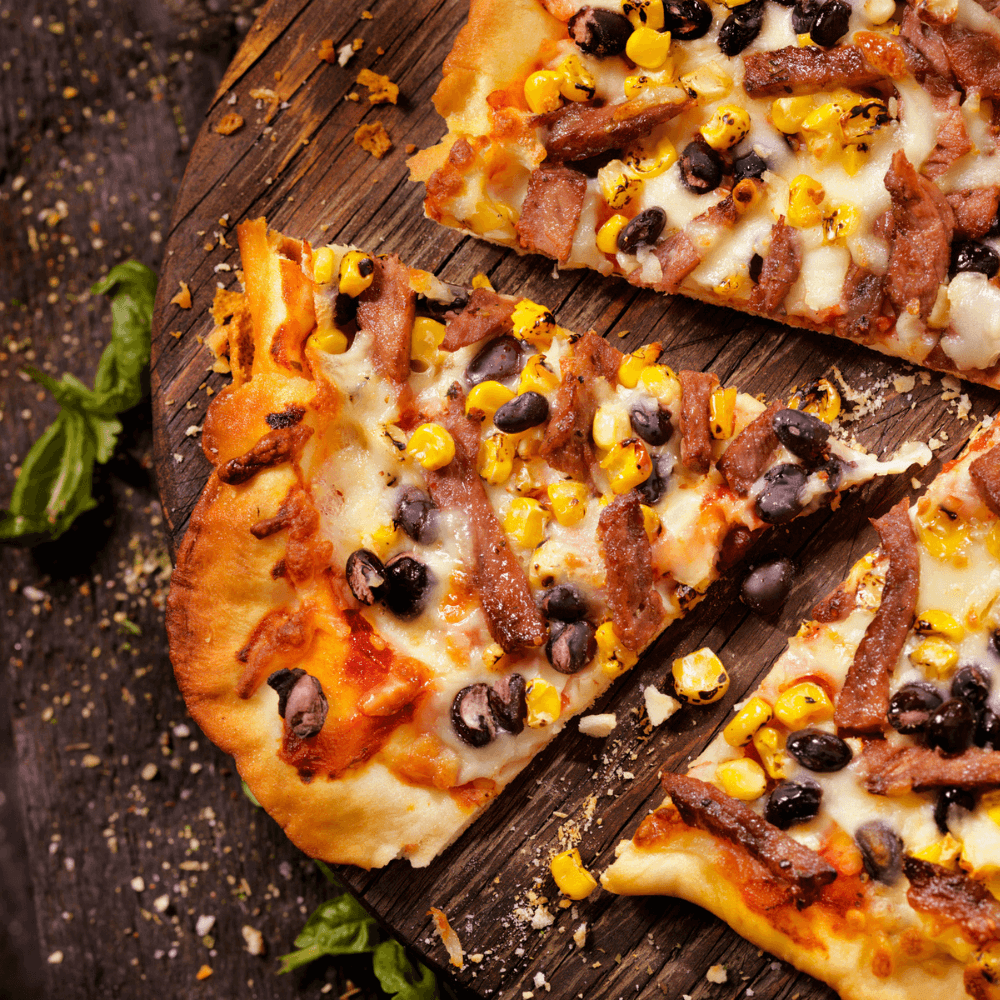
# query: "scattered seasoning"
{"type": "Point", "coordinates": [373, 139]}
{"type": "Point", "coordinates": [229, 123]}
{"type": "Point", "coordinates": [382, 89]}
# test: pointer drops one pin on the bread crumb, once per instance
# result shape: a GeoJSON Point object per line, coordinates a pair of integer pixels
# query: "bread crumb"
{"type": "Point", "coordinates": [904, 383]}
{"type": "Point", "coordinates": [448, 937]}
{"type": "Point", "coordinates": [326, 51]}
{"type": "Point", "coordinates": [411, 148]}
{"type": "Point", "coordinates": [659, 706]}
{"type": "Point", "coordinates": [373, 139]}
{"type": "Point", "coordinates": [229, 123]}
{"type": "Point", "coordinates": [205, 923]}
{"type": "Point", "coordinates": [254, 939]}
{"type": "Point", "coordinates": [204, 972]}
{"type": "Point", "coordinates": [345, 54]}
{"type": "Point", "coordinates": [55, 958]}
{"type": "Point", "coordinates": [149, 772]}
{"type": "Point", "coordinates": [383, 90]}
{"type": "Point", "coordinates": [598, 725]}
{"type": "Point", "coordinates": [138, 883]}
{"type": "Point", "coordinates": [183, 297]}
{"type": "Point", "coordinates": [580, 935]}
{"type": "Point", "coordinates": [717, 974]}
{"type": "Point", "coordinates": [367, 15]}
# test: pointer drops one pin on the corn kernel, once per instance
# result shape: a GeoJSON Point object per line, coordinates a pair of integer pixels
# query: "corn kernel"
{"type": "Point", "coordinates": [770, 746]}
{"type": "Point", "coordinates": [826, 120]}
{"type": "Point", "coordinates": [577, 82]}
{"type": "Point", "coordinates": [942, 534]}
{"type": "Point", "coordinates": [787, 113]}
{"type": "Point", "coordinates": [529, 442]}
{"type": "Point", "coordinates": [728, 126]}
{"type": "Point", "coordinates": [568, 501]}
{"type": "Point", "coordinates": [493, 655]}
{"type": "Point", "coordinates": [542, 91]}
{"type": "Point", "coordinates": [936, 656]}
{"type": "Point", "coordinates": [648, 48]}
{"type": "Point", "coordinates": [525, 522]}
{"type": "Point", "coordinates": [536, 376]}
{"type": "Point", "coordinates": [432, 446]}
{"type": "Point", "coordinates": [805, 196]}
{"type": "Point", "coordinates": [618, 186]}
{"type": "Point", "coordinates": [544, 703]}
{"type": "Point", "coordinates": [323, 261]}
{"type": "Point", "coordinates": [754, 714]}
{"type": "Point", "coordinates": [488, 217]}
{"type": "Point", "coordinates": [572, 878]}
{"type": "Point", "coordinates": [611, 425]}
{"type": "Point", "coordinates": [802, 705]}
{"type": "Point", "coordinates": [533, 323]}
{"type": "Point", "coordinates": [804, 40]}
{"type": "Point", "coordinates": [481, 281]}
{"type": "Point", "coordinates": [746, 194]}
{"type": "Point", "coordinates": [607, 235]}
{"type": "Point", "coordinates": [864, 118]}
{"type": "Point", "coordinates": [990, 801]}
{"type": "Point", "coordinates": [659, 381]}
{"type": "Point", "coordinates": [614, 657]}
{"type": "Point", "coordinates": [651, 163]}
{"type": "Point", "coordinates": [488, 396]}
{"type": "Point", "coordinates": [648, 13]}
{"type": "Point", "coordinates": [853, 157]}
{"type": "Point", "coordinates": [636, 83]}
{"type": "Point", "coordinates": [940, 852]}
{"type": "Point", "coordinates": [722, 413]}
{"type": "Point", "coordinates": [993, 541]}
{"type": "Point", "coordinates": [331, 340]}
{"type": "Point", "coordinates": [709, 82]}
{"type": "Point", "coordinates": [426, 339]}
{"type": "Point", "coordinates": [840, 223]}
{"type": "Point", "coordinates": [632, 365]}
{"type": "Point", "coordinates": [651, 522]}
{"type": "Point", "coordinates": [357, 272]}
{"type": "Point", "coordinates": [496, 460]}
{"type": "Point", "coordinates": [382, 540]}
{"type": "Point", "coordinates": [735, 286]}
{"type": "Point", "coordinates": [627, 464]}
{"type": "Point", "coordinates": [936, 622]}
{"type": "Point", "coordinates": [700, 678]}
{"type": "Point", "coordinates": [821, 399]}
{"type": "Point", "coordinates": [742, 779]}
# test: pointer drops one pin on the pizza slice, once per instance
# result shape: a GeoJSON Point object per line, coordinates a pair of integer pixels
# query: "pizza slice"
{"type": "Point", "coordinates": [439, 525]}
{"type": "Point", "coordinates": [828, 164]}
{"type": "Point", "coordinates": [847, 818]}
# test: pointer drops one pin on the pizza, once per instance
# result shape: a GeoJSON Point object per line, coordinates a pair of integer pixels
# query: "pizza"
{"type": "Point", "coordinates": [439, 525]}
{"type": "Point", "coordinates": [829, 164]}
{"type": "Point", "coordinates": [847, 818]}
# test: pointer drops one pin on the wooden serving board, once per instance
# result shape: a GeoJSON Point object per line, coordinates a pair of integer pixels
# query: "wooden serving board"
{"type": "Point", "coordinates": [295, 162]}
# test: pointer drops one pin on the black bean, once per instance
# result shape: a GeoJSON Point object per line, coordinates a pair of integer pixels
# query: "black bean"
{"type": "Point", "coordinates": [408, 583]}
{"type": "Point", "coordinates": [778, 501]}
{"type": "Point", "coordinates": [792, 802]}
{"type": "Point", "coordinates": [819, 751]}
{"type": "Point", "coordinates": [652, 425]}
{"type": "Point", "coordinates": [471, 715]}
{"type": "Point", "coordinates": [756, 266]}
{"type": "Point", "coordinates": [500, 359]}
{"type": "Point", "coordinates": [283, 681]}
{"type": "Point", "coordinates": [948, 797]}
{"type": "Point", "coordinates": [686, 19]}
{"type": "Point", "coordinates": [766, 586]}
{"type": "Point", "coordinates": [971, 683]}
{"type": "Point", "coordinates": [803, 14]}
{"type": "Point", "coordinates": [564, 603]}
{"type": "Point", "coordinates": [700, 167]}
{"type": "Point", "coordinates": [834, 470]}
{"type": "Point", "coordinates": [417, 514]}
{"type": "Point", "coordinates": [643, 230]}
{"type": "Point", "coordinates": [748, 165]}
{"type": "Point", "coordinates": [599, 32]}
{"type": "Point", "coordinates": [950, 727]}
{"type": "Point", "coordinates": [571, 647]}
{"type": "Point", "coordinates": [529, 409]}
{"type": "Point", "coordinates": [802, 434]}
{"type": "Point", "coordinates": [994, 642]}
{"type": "Point", "coordinates": [911, 706]}
{"type": "Point", "coordinates": [508, 704]}
{"type": "Point", "coordinates": [977, 258]}
{"type": "Point", "coordinates": [741, 27]}
{"type": "Point", "coordinates": [987, 733]}
{"type": "Point", "coordinates": [830, 23]}
{"type": "Point", "coordinates": [881, 851]}
{"type": "Point", "coordinates": [443, 310]}
{"type": "Point", "coordinates": [301, 702]}
{"type": "Point", "coordinates": [365, 576]}
{"type": "Point", "coordinates": [651, 489]}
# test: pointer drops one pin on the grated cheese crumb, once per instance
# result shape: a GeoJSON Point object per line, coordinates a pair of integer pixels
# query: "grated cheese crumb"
{"type": "Point", "coordinates": [659, 706]}
{"type": "Point", "coordinates": [598, 725]}
{"type": "Point", "coordinates": [717, 974]}
{"type": "Point", "coordinates": [373, 139]}
{"type": "Point", "coordinates": [254, 939]}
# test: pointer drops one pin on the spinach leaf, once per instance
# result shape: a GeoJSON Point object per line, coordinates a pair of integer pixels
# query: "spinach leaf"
{"type": "Point", "coordinates": [397, 975]}
{"type": "Point", "coordinates": [341, 926]}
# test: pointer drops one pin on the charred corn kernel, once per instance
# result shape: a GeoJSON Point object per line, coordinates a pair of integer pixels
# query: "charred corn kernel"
{"type": "Point", "coordinates": [331, 340]}
{"type": "Point", "coordinates": [572, 878]}
{"type": "Point", "coordinates": [648, 13]}
{"type": "Point", "coordinates": [825, 119]}
{"type": "Point", "coordinates": [746, 194]}
{"type": "Point", "coordinates": [722, 413]}
{"type": "Point", "coordinates": [357, 271]}
{"type": "Point", "coordinates": [804, 40]}
{"type": "Point", "coordinates": [651, 522]}
{"type": "Point", "coordinates": [936, 656]}
{"type": "Point", "coordinates": [576, 81]}
{"type": "Point", "coordinates": [493, 656]}
{"type": "Point", "coordinates": [632, 365]}
{"type": "Point", "coordinates": [426, 339]}
{"type": "Point", "coordinates": [525, 522]}
{"type": "Point", "coordinates": [840, 223]}
{"type": "Point", "coordinates": [821, 399]}
{"type": "Point", "coordinates": [481, 281]}
{"type": "Point", "coordinates": [544, 703]}
{"type": "Point", "coordinates": [648, 48]}
{"type": "Point", "coordinates": [770, 746]}
{"type": "Point", "coordinates": [533, 322]}
{"type": "Point", "coordinates": [864, 118]}
{"type": "Point", "coordinates": [709, 82]}
{"type": "Point", "coordinates": [568, 501]}
{"type": "Point", "coordinates": [651, 162]}
{"type": "Point", "coordinates": [636, 83]}
{"type": "Point", "coordinates": [805, 196]}
{"type": "Point", "coordinates": [611, 425]}
{"type": "Point", "coordinates": [432, 446]}
{"type": "Point", "coordinates": [787, 113]}
{"type": "Point", "coordinates": [607, 235]}
{"type": "Point", "coordinates": [853, 157]}
{"type": "Point", "coordinates": [496, 459]}
{"type": "Point", "coordinates": [700, 678]}
{"type": "Point", "coordinates": [542, 91]}
{"type": "Point", "coordinates": [993, 541]}
{"type": "Point", "coordinates": [618, 186]}
{"type": "Point", "coordinates": [536, 376]}
{"type": "Point", "coordinates": [614, 657]}
{"type": "Point", "coordinates": [940, 852]}
{"type": "Point", "coordinates": [660, 381]}
{"type": "Point", "coordinates": [735, 286]}
{"type": "Point", "coordinates": [936, 622]}
{"type": "Point", "coordinates": [323, 262]}
{"type": "Point", "coordinates": [742, 779]}
{"type": "Point", "coordinates": [754, 714]}
{"type": "Point", "coordinates": [488, 217]}
{"type": "Point", "coordinates": [728, 125]}
{"type": "Point", "coordinates": [988, 958]}
{"type": "Point", "coordinates": [383, 538]}
{"type": "Point", "coordinates": [802, 705]}
{"type": "Point", "coordinates": [627, 464]}
{"type": "Point", "coordinates": [529, 442]}
{"type": "Point", "coordinates": [942, 534]}
{"type": "Point", "coordinates": [990, 801]}
{"type": "Point", "coordinates": [488, 396]}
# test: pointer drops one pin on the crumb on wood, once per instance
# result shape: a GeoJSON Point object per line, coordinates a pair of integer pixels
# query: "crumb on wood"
{"type": "Point", "coordinates": [598, 725]}
{"type": "Point", "coordinates": [382, 89]}
{"type": "Point", "coordinates": [449, 938]}
{"type": "Point", "coordinates": [204, 972]}
{"type": "Point", "coordinates": [373, 139]}
{"type": "Point", "coordinates": [229, 123]}
{"type": "Point", "coordinates": [183, 297]}
{"type": "Point", "coordinates": [717, 974]}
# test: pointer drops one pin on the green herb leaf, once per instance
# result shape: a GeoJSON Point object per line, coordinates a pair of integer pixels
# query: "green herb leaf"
{"type": "Point", "coordinates": [341, 926]}
{"type": "Point", "coordinates": [250, 795]}
{"type": "Point", "coordinates": [398, 976]}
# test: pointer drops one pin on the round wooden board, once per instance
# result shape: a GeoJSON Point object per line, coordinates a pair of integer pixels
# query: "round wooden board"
{"type": "Point", "coordinates": [295, 162]}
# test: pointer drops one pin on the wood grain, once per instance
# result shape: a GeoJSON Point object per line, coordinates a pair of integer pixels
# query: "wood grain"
{"type": "Point", "coordinates": [298, 166]}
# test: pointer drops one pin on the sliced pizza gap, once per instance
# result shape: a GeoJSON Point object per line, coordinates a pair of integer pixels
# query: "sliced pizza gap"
{"type": "Point", "coordinates": [831, 165]}
{"type": "Point", "coordinates": [439, 526]}
{"type": "Point", "coordinates": [848, 817]}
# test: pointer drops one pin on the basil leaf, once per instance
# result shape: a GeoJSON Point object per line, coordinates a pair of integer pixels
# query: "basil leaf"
{"type": "Point", "coordinates": [341, 926]}
{"type": "Point", "coordinates": [397, 975]}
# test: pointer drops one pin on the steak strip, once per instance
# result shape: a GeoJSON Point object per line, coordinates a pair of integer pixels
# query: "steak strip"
{"type": "Point", "coordinates": [512, 618]}
{"type": "Point", "coordinates": [272, 449]}
{"type": "Point", "coordinates": [388, 307]}
{"type": "Point", "coordinates": [985, 475]}
{"type": "Point", "coordinates": [678, 257]}
{"type": "Point", "coordinates": [636, 607]}
{"type": "Point", "coordinates": [708, 808]}
{"type": "Point", "coordinates": [954, 896]}
{"type": "Point", "coordinates": [749, 453]}
{"type": "Point", "coordinates": [807, 69]}
{"type": "Point", "coordinates": [696, 437]}
{"type": "Point", "coordinates": [486, 314]}
{"type": "Point", "coordinates": [864, 700]}
{"type": "Point", "coordinates": [551, 210]}
{"type": "Point", "coordinates": [780, 269]}
{"type": "Point", "coordinates": [900, 770]}
{"type": "Point", "coordinates": [861, 301]}
{"type": "Point", "coordinates": [975, 210]}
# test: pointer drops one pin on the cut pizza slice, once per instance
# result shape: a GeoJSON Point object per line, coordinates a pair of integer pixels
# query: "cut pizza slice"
{"type": "Point", "coordinates": [438, 526]}
{"type": "Point", "coordinates": [829, 164]}
{"type": "Point", "coordinates": [847, 818]}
